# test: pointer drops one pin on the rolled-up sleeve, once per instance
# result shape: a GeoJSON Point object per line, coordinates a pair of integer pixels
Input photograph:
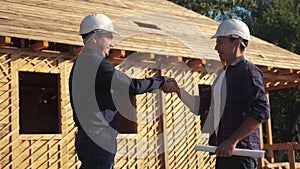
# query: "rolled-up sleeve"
{"type": "Point", "coordinates": [256, 95]}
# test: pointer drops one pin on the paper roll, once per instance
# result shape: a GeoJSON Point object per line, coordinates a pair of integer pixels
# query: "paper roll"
{"type": "Point", "coordinates": [237, 151]}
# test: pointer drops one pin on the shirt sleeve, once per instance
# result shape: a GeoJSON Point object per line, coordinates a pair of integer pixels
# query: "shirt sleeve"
{"type": "Point", "coordinates": [256, 98]}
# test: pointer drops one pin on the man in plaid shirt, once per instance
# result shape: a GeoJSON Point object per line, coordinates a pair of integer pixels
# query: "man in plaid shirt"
{"type": "Point", "coordinates": [236, 102]}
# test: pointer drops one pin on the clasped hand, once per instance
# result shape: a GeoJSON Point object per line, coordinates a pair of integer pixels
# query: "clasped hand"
{"type": "Point", "coordinates": [170, 86]}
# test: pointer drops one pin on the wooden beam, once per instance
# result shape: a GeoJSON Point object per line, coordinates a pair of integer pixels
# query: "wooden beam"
{"type": "Point", "coordinates": [280, 146]}
{"type": "Point", "coordinates": [39, 45]}
{"type": "Point", "coordinates": [4, 40]}
{"type": "Point", "coordinates": [195, 63]}
{"type": "Point", "coordinates": [291, 77]}
{"type": "Point", "coordinates": [260, 161]}
{"type": "Point", "coordinates": [283, 86]}
{"type": "Point", "coordinates": [285, 71]}
{"type": "Point", "coordinates": [269, 134]}
{"type": "Point", "coordinates": [168, 59]}
{"type": "Point", "coordinates": [145, 56]}
{"type": "Point", "coordinates": [289, 146]}
{"type": "Point", "coordinates": [264, 68]}
{"type": "Point", "coordinates": [115, 53]}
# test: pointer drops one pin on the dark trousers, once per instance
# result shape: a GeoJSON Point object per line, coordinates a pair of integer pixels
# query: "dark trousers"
{"type": "Point", "coordinates": [91, 155]}
{"type": "Point", "coordinates": [236, 162]}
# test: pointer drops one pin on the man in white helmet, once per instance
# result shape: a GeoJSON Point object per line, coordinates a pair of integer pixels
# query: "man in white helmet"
{"type": "Point", "coordinates": [243, 104]}
{"type": "Point", "coordinates": [95, 86]}
{"type": "Point", "coordinates": [236, 102]}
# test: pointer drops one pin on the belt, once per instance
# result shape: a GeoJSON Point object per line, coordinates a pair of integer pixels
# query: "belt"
{"type": "Point", "coordinates": [100, 130]}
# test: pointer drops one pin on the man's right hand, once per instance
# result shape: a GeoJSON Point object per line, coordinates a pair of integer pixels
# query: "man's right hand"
{"type": "Point", "coordinates": [170, 86]}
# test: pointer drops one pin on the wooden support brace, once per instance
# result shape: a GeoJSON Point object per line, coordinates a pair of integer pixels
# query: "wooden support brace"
{"type": "Point", "coordinates": [39, 45]}
{"type": "Point", "coordinates": [4, 40]}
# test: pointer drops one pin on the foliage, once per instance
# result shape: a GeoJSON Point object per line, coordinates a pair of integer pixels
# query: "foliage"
{"type": "Point", "coordinates": [282, 20]}
{"type": "Point", "coordinates": [287, 103]}
{"type": "Point", "coordinates": [219, 9]}
{"type": "Point", "coordinates": [285, 114]}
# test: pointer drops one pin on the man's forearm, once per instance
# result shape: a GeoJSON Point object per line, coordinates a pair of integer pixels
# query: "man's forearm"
{"type": "Point", "coordinates": [192, 102]}
{"type": "Point", "coordinates": [248, 125]}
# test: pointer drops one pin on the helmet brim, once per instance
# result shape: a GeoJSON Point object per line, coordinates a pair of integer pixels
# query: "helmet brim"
{"type": "Point", "coordinates": [214, 36]}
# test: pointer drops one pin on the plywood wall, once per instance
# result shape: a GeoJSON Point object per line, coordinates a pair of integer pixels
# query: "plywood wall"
{"type": "Point", "coordinates": [167, 131]}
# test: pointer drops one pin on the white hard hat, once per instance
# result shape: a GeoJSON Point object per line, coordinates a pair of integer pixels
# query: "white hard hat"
{"type": "Point", "coordinates": [233, 27]}
{"type": "Point", "coordinates": [96, 21]}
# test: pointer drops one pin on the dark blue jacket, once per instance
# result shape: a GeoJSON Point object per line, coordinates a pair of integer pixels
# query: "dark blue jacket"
{"type": "Point", "coordinates": [111, 90]}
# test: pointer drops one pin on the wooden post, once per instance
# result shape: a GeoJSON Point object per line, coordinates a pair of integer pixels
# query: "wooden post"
{"type": "Point", "coordinates": [261, 160]}
{"type": "Point", "coordinates": [163, 124]}
{"type": "Point", "coordinates": [291, 152]}
{"type": "Point", "coordinates": [14, 111]}
{"type": "Point", "coordinates": [269, 134]}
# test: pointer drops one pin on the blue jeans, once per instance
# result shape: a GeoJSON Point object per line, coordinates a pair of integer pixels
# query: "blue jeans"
{"type": "Point", "coordinates": [236, 162]}
{"type": "Point", "coordinates": [91, 155]}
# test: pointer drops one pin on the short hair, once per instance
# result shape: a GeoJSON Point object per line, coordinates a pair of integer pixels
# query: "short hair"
{"type": "Point", "coordinates": [98, 32]}
{"type": "Point", "coordinates": [243, 41]}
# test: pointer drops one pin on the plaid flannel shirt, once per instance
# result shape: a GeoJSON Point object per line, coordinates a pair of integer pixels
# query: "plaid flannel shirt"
{"type": "Point", "coordinates": [244, 96]}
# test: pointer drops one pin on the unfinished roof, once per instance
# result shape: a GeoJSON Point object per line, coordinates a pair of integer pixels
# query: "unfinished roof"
{"type": "Point", "coordinates": [156, 26]}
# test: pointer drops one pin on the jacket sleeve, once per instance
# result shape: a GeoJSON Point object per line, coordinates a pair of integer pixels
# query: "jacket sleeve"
{"type": "Point", "coordinates": [115, 80]}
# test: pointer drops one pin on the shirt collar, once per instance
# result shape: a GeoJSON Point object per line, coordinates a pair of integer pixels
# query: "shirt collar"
{"type": "Point", "coordinates": [237, 61]}
{"type": "Point", "coordinates": [91, 52]}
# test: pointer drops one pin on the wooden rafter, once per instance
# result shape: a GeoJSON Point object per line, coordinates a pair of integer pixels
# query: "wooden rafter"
{"type": "Point", "coordinates": [168, 59]}
{"type": "Point", "coordinates": [276, 77]}
{"type": "Point", "coordinates": [4, 40]}
{"type": "Point", "coordinates": [39, 45]}
{"type": "Point", "coordinates": [116, 54]}
{"type": "Point", "coordinates": [264, 68]}
{"type": "Point", "coordinates": [195, 63]}
{"type": "Point", "coordinates": [75, 50]}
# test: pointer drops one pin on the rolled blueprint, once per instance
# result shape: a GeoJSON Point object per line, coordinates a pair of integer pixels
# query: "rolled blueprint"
{"type": "Point", "coordinates": [237, 151]}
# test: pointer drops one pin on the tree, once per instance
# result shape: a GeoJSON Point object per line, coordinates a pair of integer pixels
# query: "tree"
{"type": "Point", "coordinates": [282, 20]}
{"type": "Point", "coordinates": [218, 9]}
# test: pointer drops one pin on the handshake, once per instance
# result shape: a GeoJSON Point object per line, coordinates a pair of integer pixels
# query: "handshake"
{"type": "Point", "coordinates": [170, 86]}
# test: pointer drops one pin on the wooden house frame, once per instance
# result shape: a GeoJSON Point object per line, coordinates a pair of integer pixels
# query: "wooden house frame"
{"type": "Point", "coordinates": [42, 37]}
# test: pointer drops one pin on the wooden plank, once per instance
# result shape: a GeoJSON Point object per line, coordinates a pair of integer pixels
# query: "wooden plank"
{"type": "Point", "coordinates": [279, 146]}
{"type": "Point", "coordinates": [39, 45]}
{"type": "Point", "coordinates": [278, 165]}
